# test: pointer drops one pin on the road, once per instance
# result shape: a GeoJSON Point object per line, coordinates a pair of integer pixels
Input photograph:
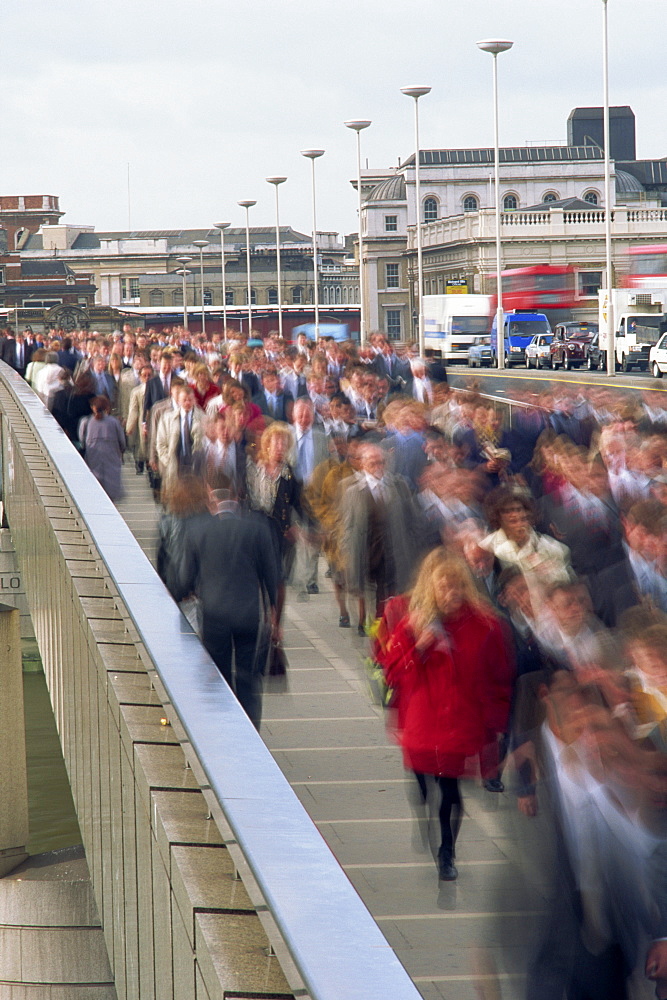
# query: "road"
{"type": "Point", "coordinates": [511, 380]}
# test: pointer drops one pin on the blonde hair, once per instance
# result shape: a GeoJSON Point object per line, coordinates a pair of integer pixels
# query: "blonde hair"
{"type": "Point", "coordinates": [423, 607]}
{"type": "Point", "coordinates": [276, 429]}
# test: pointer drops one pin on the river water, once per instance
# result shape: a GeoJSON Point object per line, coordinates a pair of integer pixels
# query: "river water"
{"type": "Point", "coordinates": [53, 822]}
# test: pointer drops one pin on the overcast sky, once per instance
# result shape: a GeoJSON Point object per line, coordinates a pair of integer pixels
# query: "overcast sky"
{"type": "Point", "coordinates": [206, 98]}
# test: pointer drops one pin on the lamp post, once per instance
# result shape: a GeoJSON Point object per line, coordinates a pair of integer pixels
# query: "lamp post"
{"type": "Point", "coordinates": [248, 204]}
{"type": "Point", "coordinates": [416, 93]}
{"type": "Point", "coordinates": [312, 155]}
{"type": "Point", "coordinates": [358, 125]}
{"type": "Point", "coordinates": [201, 244]}
{"type": "Point", "coordinates": [183, 261]}
{"type": "Point", "coordinates": [494, 46]}
{"type": "Point", "coordinates": [277, 181]}
{"type": "Point", "coordinates": [222, 226]}
{"type": "Point", "coordinates": [611, 320]}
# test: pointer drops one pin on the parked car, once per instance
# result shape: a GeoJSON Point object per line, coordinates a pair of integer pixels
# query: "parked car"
{"type": "Point", "coordinates": [537, 352]}
{"type": "Point", "coordinates": [569, 342]}
{"type": "Point", "coordinates": [592, 353]}
{"type": "Point", "coordinates": [657, 357]}
{"type": "Point", "coordinates": [479, 352]}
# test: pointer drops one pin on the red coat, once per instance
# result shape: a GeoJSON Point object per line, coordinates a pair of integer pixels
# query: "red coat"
{"type": "Point", "coordinates": [453, 697]}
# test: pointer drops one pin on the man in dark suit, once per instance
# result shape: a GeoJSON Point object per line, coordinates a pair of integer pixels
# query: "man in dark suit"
{"type": "Point", "coordinates": [229, 563]}
{"type": "Point", "coordinates": [67, 356]}
{"type": "Point", "coordinates": [158, 387]}
{"type": "Point", "coordinates": [273, 401]}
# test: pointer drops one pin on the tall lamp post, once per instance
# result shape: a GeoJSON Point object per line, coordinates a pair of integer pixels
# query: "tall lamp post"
{"type": "Point", "coordinates": [312, 155]}
{"type": "Point", "coordinates": [248, 204]}
{"type": "Point", "coordinates": [201, 244]}
{"type": "Point", "coordinates": [277, 181]}
{"type": "Point", "coordinates": [494, 46]}
{"type": "Point", "coordinates": [183, 261]}
{"type": "Point", "coordinates": [358, 125]}
{"type": "Point", "coordinates": [222, 226]}
{"type": "Point", "coordinates": [416, 93]}
{"type": "Point", "coordinates": [611, 319]}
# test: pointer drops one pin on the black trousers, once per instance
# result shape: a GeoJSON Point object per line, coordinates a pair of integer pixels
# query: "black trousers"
{"type": "Point", "coordinates": [450, 811]}
{"type": "Point", "coordinates": [236, 654]}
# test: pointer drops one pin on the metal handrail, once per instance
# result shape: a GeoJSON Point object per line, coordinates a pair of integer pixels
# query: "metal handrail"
{"type": "Point", "coordinates": [336, 946]}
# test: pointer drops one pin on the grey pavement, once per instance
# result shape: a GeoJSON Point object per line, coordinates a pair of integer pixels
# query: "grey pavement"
{"type": "Point", "coordinates": [457, 940]}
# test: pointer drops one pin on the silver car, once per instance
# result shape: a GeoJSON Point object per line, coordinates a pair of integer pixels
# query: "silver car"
{"type": "Point", "coordinates": [479, 352]}
{"type": "Point", "coordinates": [537, 351]}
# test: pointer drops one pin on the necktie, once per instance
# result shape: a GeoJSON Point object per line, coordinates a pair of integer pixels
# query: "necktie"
{"type": "Point", "coordinates": [186, 443]}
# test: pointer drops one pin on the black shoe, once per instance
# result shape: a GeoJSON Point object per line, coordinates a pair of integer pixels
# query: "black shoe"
{"type": "Point", "coordinates": [447, 871]}
{"type": "Point", "coordinates": [328, 574]}
{"type": "Point", "coordinates": [494, 785]}
{"type": "Point", "coordinates": [344, 621]}
{"type": "Point", "coordinates": [312, 588]}
{"type": "Point", "coordinates": [361, 631]}
{"type": "Point", "coordinates": [139, 468]}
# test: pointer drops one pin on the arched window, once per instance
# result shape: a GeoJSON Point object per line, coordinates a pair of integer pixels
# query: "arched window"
{"type": "Point", "coordinates": [325, 295]}
{"type": "Point", "coordinates": [297, 295]}
{"type": "Point", "coordinates": [510, 203]}
{"type": "Point", "coordinates": [344, 295]}
{"type": "Point", "coordinates": [470, 203]}
{"type": "Point", "coordinates": [273, 296]}
{"type": "Point", "coordinates": [549, 196]}
{"type": "Point", "coordinates": [253, 296]}
{"type": "Point", "coordinates": [18, 238]}
{"type": "Point", "coordinates": [208, 297]}
{"type": "Point", "coordinates": [338, 295]}
{"type": "Point", "coordinates": [157, 297]}
{"type": "Point", "coordinates": [592, 198]}
{"type": "Point", "coordinates": [177, 297]}
{"type": "Point", "coordinates": [430, 210]}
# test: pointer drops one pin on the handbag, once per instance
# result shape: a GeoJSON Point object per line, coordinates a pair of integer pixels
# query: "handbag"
{"type": "Point", "coordinates": [278, 664]}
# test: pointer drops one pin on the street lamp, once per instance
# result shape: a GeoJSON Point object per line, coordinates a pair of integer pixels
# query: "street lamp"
{"type": "Point", "coordinates": [248, 204]}
{"type": "Point", "coordinates": [312, 155]}
{"type": "Point", "coordinates": [611, 320]}
{"type": "Point", "coordinates": [183, 261]}
{"type": "Point", "coordinates": [358, 125]}
{"type": "Point", "coordinates": [494, 46]}
{"type": "Point", "coordinates": [277, 181]}
{"type": "Point", "coordinates": [201, 244]}
{"type": "Point", "coordinates": [222, 226]}
{"type": "Point", "coordinates": [416, 93]}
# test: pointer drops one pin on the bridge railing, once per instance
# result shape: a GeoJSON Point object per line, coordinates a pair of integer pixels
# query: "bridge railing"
{"type": "Point", "coordinates": [174, 789]}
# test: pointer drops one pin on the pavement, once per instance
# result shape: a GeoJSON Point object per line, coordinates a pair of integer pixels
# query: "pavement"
{"type": "Point", "coordinates": [457, 940]}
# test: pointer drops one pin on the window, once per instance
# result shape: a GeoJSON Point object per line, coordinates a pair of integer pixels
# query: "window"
{"type": "Point", "coordinates": [392, 277]}
{"type": "Point", "coordinates": [177, 297]}
{"type": "Point", "coordinates": [394, 324]}
{"type": "Point", "coordinates": [273, 296]}
{"type": "Point", "coordinates": [589, 283]}
{"type": "Point", "coordinates": [470, 203]}
{"type": "Point", "coordinates": [592, 198]}
{"type": "Point", "coordinates": [297, 295]}
{"type": "Point", "coordinates": [157, 297]}
{"type": "Point", "coordinates": [253, 297]}
{"type": "Point", "coordinates": [41, 303]}
{"type": "Point", "coordinates": [208, 297]}
{"type": "Point", "coordinates": [229, 297]}
{"type": "Point", "coordinates": [430, 210]}
{"type": "Point", "coordinates": [391, 223]}
{"type": "Point", "coordinates": [129, 288]}
{"type": "Point", "coordinates": [549, 196]}
{"type": "Point", "coordinates": [344, 295]}
{"type": "Point", "coordinates": [2, 275]}
{"type": "Point", "coordinates": [510, 203]}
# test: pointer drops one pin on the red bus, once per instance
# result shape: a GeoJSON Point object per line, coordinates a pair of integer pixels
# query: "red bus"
{"type": "Point", "coordinates": [538, 288]}
{"type": "Point", "coordinates": [648, 266]}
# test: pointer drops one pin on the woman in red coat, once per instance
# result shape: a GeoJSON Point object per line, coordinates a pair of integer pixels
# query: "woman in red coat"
{"type": "Point", "coordinates": [448, 662]}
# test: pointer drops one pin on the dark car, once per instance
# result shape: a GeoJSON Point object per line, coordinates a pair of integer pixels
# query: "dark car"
{"type": "Point", "coordinates": [592, 353]}
{"type": "Point", "coordinates": [569, 343]}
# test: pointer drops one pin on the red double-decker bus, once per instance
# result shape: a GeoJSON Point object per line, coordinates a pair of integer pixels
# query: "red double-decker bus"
{"type": "Point", "coordinates": [648, 266]}
{"type": "Point", "coordinates": [539, 288]}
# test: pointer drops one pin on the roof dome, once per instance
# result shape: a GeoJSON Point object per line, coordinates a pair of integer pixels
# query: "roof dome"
{"type": "Point", "coordinates": [627, 183]}
{"type": "Point", "coordinates": [392, 189]}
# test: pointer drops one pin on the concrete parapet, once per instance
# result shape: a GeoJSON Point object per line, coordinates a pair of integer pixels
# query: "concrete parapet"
{"type": "Point", "coordinates": [51, 940]}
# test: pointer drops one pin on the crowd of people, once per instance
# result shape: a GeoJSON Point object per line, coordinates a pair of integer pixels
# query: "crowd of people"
{"type": "Point", "coordinates": [512, 577]}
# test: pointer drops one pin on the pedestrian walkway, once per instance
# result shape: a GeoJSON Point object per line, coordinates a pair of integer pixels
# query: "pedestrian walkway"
{"type": "Point", "coordinates": [329, 739]}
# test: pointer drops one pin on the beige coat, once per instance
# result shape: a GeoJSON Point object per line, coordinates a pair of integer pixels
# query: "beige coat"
{"type": "Point", "coordinates": [168, 438]}
{"type": "Point", "coordinates": [135, 439]}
